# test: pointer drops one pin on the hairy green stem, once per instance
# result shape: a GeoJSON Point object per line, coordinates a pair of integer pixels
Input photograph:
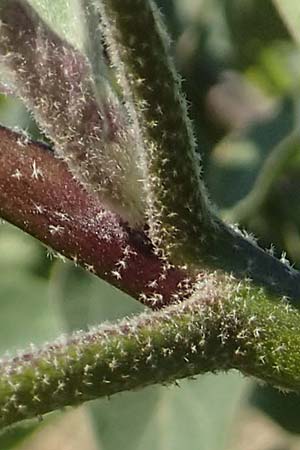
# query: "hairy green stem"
{"type": "Point", "coordinates": [139, 50]}
{"type": "Point", "coordinates": [227, 325]}
{"type": "Point", "coordinates": [182, 223]}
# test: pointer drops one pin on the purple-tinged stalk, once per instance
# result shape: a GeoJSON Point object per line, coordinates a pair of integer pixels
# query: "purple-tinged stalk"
{"type": "Point", "coordinates": [86, 122]}
{"type": "Point", "coordinates": [55, 81]}
{"type": "Point", "coordinates": [39, 195]}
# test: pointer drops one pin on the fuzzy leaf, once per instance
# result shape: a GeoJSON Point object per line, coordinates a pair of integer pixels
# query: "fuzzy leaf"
{"type": "Point", "coordinates": [63, 16]}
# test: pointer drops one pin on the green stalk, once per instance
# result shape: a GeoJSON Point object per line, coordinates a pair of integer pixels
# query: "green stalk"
{"type": "Point", "coordinates": [139, 50]}
{"type": "Point", "coordinates": [226, 325]}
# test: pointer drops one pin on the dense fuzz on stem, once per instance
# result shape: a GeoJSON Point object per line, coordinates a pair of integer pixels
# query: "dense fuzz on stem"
{"type": "Point", "coordinates": [40, 196]}
{"type": "Point", "coordinates": [84, 120]}
{"type": "Point", "coordinates": [182, 224]}
{"type": "Point", "coordinates": [139, 50]}
{"type": "Point", "coordinates": [104, 148]}
{"type": "Point", "coordinates": [227, 325]}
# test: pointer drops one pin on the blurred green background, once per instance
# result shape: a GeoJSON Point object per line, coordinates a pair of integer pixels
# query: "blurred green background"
{"type": "Point", "coordinates": [241, 73]}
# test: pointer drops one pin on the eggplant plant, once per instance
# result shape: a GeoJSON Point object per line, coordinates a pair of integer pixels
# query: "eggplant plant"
{"type": "Point", "coordinates": [118, 188]}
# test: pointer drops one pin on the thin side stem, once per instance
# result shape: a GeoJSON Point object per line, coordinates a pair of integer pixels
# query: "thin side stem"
{"type": "Point", "coordinates": [272, 169]}
{"type": "Point", "coordinates": [139, 50]}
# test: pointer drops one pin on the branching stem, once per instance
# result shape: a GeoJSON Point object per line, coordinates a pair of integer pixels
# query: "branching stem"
{"type": "Point", "coordinates": [227, 323]}
{"type": "Point", "coordinates": [182, 223]}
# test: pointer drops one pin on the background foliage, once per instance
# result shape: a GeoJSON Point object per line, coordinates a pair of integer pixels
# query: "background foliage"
{"type": "Point", "coordinates": [241, 66]}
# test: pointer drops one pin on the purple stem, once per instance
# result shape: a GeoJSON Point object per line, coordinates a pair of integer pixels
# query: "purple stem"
{"type": "Point", "coordinates": [39, 195]}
